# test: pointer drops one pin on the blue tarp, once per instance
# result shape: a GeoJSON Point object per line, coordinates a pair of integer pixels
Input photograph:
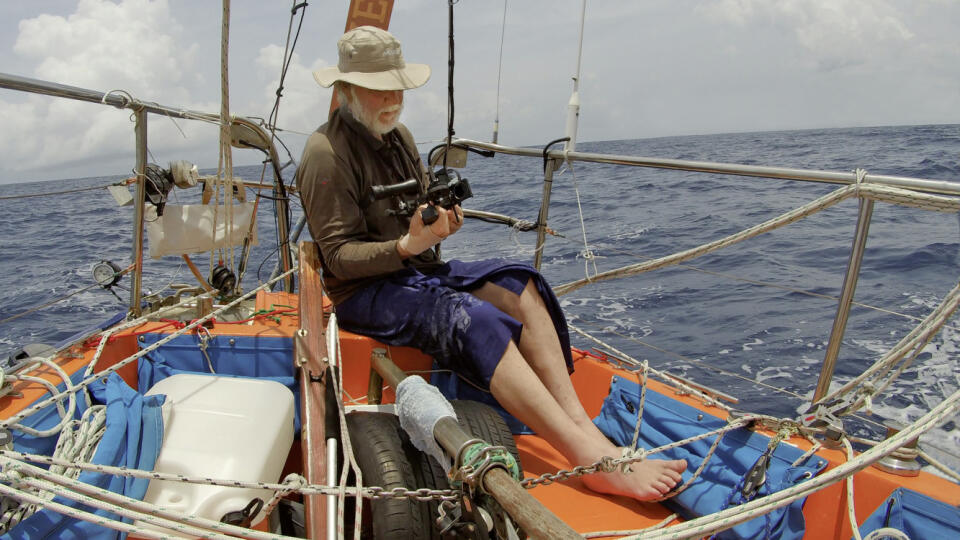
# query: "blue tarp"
{"type": "Point", "coordinates": [260, 357]}
{"type": "Point", "coordinates": [719, 485]}
{"type": "Point", "coordinates": [915, 514]}
{"type": "Point", "coordinates": [134, 431]}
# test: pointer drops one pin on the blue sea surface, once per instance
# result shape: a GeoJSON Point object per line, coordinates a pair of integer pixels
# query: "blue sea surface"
{"type": "Point", "coordinates": [740, 320]}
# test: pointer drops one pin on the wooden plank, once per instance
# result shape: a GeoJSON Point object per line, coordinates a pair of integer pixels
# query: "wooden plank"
{"type": "Point", "coordinates": [310, 359]}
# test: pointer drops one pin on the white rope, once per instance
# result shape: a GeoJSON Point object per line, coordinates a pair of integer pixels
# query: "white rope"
{"type": "Point", "coordinates": [588, 255]}
{"type": "Point", "coordinates": [64, 485]}
{"type": "Point", "coordinates": [915, 340]}
{"type": "Point", "coordinates": [602, 534]}
{"type": "Point", "coordinates": [348, 456]}
{"type": "Point", "coordinates": [642, 379]}
{"type": "Point", "coordinates": [861, 174]}
{"type": "Point", "coordinates": [78, 441]}
{"type": "Point", "coordinates": [81, 515]}
{"type": "Point", "coordinates": [939, 466]}
{"type": "Point", "coordinates": [887, 532]}
{"type": "Point", "coordinates": [851, 513]}
{"type": "Point", "coordinates": [66, 415]}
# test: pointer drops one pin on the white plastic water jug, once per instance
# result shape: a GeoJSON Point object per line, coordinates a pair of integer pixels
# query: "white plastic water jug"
{"type": "Point", "coordinates": [221, 428]}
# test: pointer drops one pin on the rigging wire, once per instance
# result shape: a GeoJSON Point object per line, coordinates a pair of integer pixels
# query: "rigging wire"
{"type": "Point", "coordinates": [280, 188]}
{"type": "Point", "coordinates": [450, 107]}
{"type": "Point", "coordinates": [50, 193]}
{"type": "Point", "coordinates": [496, 120]}
{"type": "Point", "coordinates": [48, 304]}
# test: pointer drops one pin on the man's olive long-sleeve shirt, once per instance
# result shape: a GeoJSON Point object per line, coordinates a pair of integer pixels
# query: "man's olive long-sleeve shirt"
{"type": "Point", "coordinates": [357, 235]}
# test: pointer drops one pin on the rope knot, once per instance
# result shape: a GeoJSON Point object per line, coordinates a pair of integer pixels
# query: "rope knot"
{"type": "Point", "coordinates": [607, 464]}
{"type": "Point", "coordinates": [861, 173]}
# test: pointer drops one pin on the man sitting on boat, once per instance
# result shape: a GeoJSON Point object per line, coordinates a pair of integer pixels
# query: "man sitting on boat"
{"type": "Point", "coordinates": [495, 323]}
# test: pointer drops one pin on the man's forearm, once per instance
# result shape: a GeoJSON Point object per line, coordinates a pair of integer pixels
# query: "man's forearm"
{"type": "Point", "coordinates": [354, 260]}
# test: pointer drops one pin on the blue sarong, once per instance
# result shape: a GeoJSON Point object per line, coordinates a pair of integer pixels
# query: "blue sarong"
{"type": "Point", "coordinates": [436, 313]}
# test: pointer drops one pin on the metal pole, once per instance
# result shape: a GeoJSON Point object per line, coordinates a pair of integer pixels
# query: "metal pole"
{"type": "Point", "coordinates": [141, 170]}
{"type": "Point", "coordinates": [544, 210]}
{"type": "Point", "coordinates": [846, 298]}
{"type": "Point", "coordinates": [811, 175]}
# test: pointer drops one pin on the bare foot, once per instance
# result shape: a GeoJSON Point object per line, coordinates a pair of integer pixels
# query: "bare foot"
{"type": "Point", "coordinates": [649, 479]}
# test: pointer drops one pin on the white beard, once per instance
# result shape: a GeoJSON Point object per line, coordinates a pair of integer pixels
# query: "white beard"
{"type": "Point", "coordinates": [371, 119]}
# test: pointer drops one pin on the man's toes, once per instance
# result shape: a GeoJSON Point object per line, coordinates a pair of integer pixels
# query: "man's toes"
{"type": "Point", "coordinates": [662, 487]}
{"type": "Point", "coordinates": [672, 475]}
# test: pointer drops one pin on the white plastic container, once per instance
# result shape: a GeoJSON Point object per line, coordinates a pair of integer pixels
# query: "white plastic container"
{"type": "Point", "coordinates": [222, 428]}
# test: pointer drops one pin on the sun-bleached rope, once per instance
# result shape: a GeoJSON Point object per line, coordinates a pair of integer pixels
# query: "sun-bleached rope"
{"type": "Point", "coordinates": [642, 379]}
{"type": "Point", "coordinates": [66, 415]}
{"type": "Point", "coordinates": [369, 492]}
{"type": "Point", "coordinates": [62, 485]}
{"type": "Point", "coordinates": [346, 447]}
{"type": "Point", "coordinates": [588, 256]}
{"type": "Point", "coordinates": [851, 512]}
{"type": "Point", "coordinates": [78, 441]}
{"type": "Point", "coordinates": [915, 340]}
{"type": "Point", "coordinates": [935, 463]}
{"type": "Point", "coordinates": [880, 193]}
{"type": "Point", "coordinates": [84, 516]}
{"type": "Point", "coordinates": [603, 534]}
{"type": "Point", "coordinates": [887, 532]}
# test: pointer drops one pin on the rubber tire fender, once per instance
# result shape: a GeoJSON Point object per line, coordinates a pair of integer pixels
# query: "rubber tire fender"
{"type": "Point", "coordinates": [480, 421]}
{"type": "Point", "coordinates": [381, 453]}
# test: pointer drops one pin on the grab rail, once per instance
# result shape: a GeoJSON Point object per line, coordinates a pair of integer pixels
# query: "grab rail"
{"type": "Point", "coordinates": [784, 173]}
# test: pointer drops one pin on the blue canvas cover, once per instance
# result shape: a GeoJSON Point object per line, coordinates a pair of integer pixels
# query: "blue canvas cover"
{"type": "Point", "coordinates": [916, 514]}
{"type": "Point", "coordinates": [132, 438]}
{"type": "Point", "coordinates": [259, 357]}
{"type": "Point", "coordinates": [719, 485]}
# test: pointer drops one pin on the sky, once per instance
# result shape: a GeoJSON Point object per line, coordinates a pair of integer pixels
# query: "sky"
{"type": "Point", "coordinates": [648, 69]}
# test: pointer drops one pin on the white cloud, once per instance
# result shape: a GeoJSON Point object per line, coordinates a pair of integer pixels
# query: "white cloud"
{"type": "Point", "coordinates": [134, 45]}
{"type": "Point", "coordinates": [836, 33]}
{"type": "Point", "coordinates": [304, 104]}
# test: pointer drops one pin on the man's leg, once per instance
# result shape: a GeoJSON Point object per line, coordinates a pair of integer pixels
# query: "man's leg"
{"type": "Point", "coordinates": [532, 383]}
{"type": "Point", "coordinates": [539, 345]}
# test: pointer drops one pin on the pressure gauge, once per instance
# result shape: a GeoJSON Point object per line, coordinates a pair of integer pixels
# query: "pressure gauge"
{"type": "Point", "coordinates": [106, 274]}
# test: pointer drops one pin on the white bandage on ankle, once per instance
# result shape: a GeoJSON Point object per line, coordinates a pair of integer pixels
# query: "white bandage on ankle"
{"type": "Point", "coordinates": [420, 243]}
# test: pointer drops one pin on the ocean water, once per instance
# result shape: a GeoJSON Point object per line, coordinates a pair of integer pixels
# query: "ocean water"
{"type": "Point", "coordinates": [740, 320]}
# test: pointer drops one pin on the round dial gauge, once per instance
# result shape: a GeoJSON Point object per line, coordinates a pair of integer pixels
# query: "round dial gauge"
{"type": "Point", "coordinates": [106, 273]}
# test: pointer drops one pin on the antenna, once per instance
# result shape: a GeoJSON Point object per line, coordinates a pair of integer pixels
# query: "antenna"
{"type": "Point", "coordinates": [573, 106]}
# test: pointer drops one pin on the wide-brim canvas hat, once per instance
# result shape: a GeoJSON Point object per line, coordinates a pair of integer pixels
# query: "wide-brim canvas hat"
{"type": "Point", "coordinates": [370, 57]}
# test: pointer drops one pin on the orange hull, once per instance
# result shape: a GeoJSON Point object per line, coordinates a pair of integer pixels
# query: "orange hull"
{"type": "Point", "coordinates": [585, 511]}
